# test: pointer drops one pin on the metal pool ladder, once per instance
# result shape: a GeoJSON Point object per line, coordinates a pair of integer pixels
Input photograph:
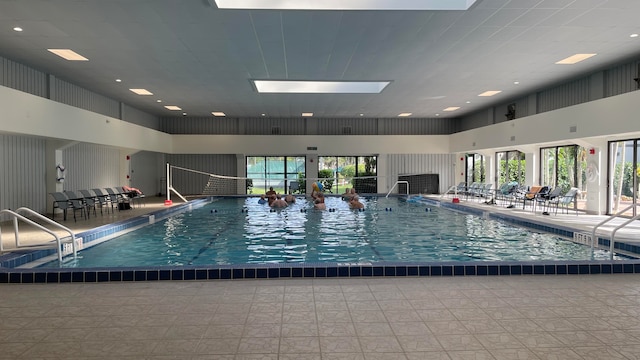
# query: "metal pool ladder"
{"type": "Point", "coordinates": [15, 216]}
{"type": "Point", "coordinates": [615, 230]}
{"type": "Point", "coordinates": [396, 183]}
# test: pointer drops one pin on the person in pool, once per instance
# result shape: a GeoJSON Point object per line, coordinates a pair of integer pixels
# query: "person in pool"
{"type": "Point", "coordinates": [318, 202]}
{"type": "Point", "coordinates": [290, 199]}
{"type": "Point", "coordinates": [262, 200]}
{"type": "Point", "coordinates": [278, 202]}
{"type": "Point", "coordinates": [355, 203]}
{"type": "Point", "coordinates": [271, 195]}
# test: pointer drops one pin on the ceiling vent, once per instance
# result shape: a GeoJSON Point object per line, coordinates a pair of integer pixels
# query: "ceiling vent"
{"type": "Point", "coordinates": [346, 130]}
{"type": "Point", "coordinates": [275, 130]}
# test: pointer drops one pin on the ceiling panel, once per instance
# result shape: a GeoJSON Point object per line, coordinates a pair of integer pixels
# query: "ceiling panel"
{"type": "Point", "coordinates": [202, 58]}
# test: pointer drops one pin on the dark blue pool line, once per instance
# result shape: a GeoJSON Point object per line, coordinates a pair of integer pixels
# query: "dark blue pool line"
{"type": "Point", "coordinates": [10, 274]}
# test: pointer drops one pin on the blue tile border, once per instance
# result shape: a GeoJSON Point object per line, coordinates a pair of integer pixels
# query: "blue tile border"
{"type": "Point", "coordinates": [10, 274]}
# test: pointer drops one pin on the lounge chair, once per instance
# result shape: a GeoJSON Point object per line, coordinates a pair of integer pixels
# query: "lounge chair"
{"type": "Point", "coordinates": [77, 203]}
{"type": "Point", "coordinates": [103, 198]}
{"type": "Point", "coordinates": [565, 200]}
{"type": "Point", "coordinates": [91, 201]}
{"type": "Point", "coordinates": [60, 201]}
{"type": "Point", "coordinates": [532, 194]}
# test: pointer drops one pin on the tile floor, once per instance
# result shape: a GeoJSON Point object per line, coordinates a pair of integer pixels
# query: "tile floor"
{"type": "Point", "coordinates": [519, 317]}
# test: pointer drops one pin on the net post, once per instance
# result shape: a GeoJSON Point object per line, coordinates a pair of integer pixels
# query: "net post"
{"type": "Point", "coordinates": [168, 200]}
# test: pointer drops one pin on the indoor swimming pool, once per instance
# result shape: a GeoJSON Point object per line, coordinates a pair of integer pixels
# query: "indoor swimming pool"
{"type": "Point", "coordinates": [239, 231]}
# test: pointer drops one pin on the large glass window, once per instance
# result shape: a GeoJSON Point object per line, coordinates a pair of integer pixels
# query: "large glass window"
{"type": "Point", "coordinates": [339, 173]}
{"type": "Point", "coordinates": [565, 166]}
{"type": "Point", "coordinates": [510, 167]}
{"type": "Point", "coordinates": [274, 171]}
{"type": "Point", "coordinates": [475, 169]}
{"type": "Point", "coordinates": [623, 176]}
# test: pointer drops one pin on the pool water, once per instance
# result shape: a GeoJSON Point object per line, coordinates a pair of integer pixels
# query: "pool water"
{"type": "Point", "coordinates": [241, 231]}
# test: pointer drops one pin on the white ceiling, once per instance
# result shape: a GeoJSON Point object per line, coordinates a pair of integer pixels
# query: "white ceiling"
{"type": "Point", "coordinates": [191, 54]}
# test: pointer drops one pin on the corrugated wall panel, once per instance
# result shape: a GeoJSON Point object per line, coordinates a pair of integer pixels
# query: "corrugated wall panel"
{"type": "Point", "coordinates": [199, 125]}
{"type": "Point", "coordinates": [408, 164]}
{"type": "Point", "coordinates": [620, 79]}
{"type": "Point", "coordinates": [187, 183]}
{"type": "Point", "coordinates": [20, 77]}
{"type": "Point", "coordinates": [347, 126]}
{"type": "Point", "coordinates": [89, 166]}
{"type": "Point", "coordinates": [418, 126]}
{"type": "Point", "coordinates": [475, 120]}
{"type": "Point", "coordinates": [139, 117]}
{"type": "Point", "coordinates": [568, 94]}
{"type": "Point", "coordinates": [74, 95]}
{"type": "Point", "coordinates": [22, 180]}
{"type": "Point", "coordinates": [267, 126]}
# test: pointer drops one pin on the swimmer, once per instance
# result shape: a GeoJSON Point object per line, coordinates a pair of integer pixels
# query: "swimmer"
{"type": "Point", "coordinates": [271, 195]}
{"type": "Point", "coordinates": [290, 199]}
{"type": "Point", "coordinates": [262, 200]}
{"type": "Point", "coordinates": [279, 203]}
{"type": "Point", "coordinates": [318, 203]}
{"type": "Point", "coordinates": [350, 195]}
{"type": "Point", "coordinates": [346, 195]}
{"type": "Point", "coordinates": [355, 203]}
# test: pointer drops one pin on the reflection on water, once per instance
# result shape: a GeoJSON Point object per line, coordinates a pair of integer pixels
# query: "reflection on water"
{"type": "Point", "coordinates": [237, 231]}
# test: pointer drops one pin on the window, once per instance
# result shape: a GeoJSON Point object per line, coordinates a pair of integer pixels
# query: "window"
{"type": "Point", "coordinates": [510, 167]}
{"type": "Point", "coordinates": [343, 172]}
{"type": "Point", "coordinates": [475, 169]}
{"type": "Point", "coordinates": [274, 171]}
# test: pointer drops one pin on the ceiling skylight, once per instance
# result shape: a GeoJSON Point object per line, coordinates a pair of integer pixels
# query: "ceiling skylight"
{"type": "Point", "coordinates": [141, 91]}
{"type": "Point", "coordinates": [68, 54]}
{"type": "Point", "coordinates": [320, 87]}
{"type": "Point", "coordinates": [173, 107]}
{"type": "Point", "coordinates": [218, 113]}
{"type": "Point", "coordinates": [490, 93]}
{"type": "Point", "coordinates": [575, 59]}
{"type": "Point", "coordinates": [405, 114]}
{"type": "Point", "coordinates": [452, 108]}
{"type": "Point", "coordinates": [346, 5]}
{"type": "Point", "coordinates": [308, 114]}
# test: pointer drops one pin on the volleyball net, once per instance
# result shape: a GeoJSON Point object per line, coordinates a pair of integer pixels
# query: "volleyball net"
{"type": "Point", "coordinates": [184, 182]}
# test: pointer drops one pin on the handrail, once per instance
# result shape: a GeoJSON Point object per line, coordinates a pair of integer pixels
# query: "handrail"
{"type": "Point", "coordinates": [15, 215]}
{"type": "Point", "coordinates": [616, 215]}
{"type": "Point", "coordinates": [399, 182]}
{"type": "Point", "coordinates": [455, 191]}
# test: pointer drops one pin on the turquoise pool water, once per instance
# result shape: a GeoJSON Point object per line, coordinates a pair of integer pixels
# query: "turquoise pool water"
{"type": "Point", "coordinates": [241, 231]}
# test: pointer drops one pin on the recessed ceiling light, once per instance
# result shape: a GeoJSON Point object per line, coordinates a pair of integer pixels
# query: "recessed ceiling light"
{"type": "Point", "coordinates": [307, 114]}
{"type": "Point", "coordinates": [437, 114]}
{"type": "Point", "coordinates": [158, 101]}
{"type": "Point", "coordinates": [263, 114]}
{"type": "Point", "coordinates": [346, 5]}
{"type": "Point", "coordinates": [118, 80]}
{"type": "Point", "coordinates": [516, 82]}
{"type": "Point", "coordinates": [468, 102]}
{"type": "Point", "coordinates": [17, 28]}
{"type": "Point", "coordinates": [451, 108]}
{"type": "Point", "coordinates": [632, 35]}
{"type": "Point", "coordinates": [573, 59]}
{"type": "Point", "coordinates": [320, 87]}
{"type": "Point", "coordinates": [184, 114]}
{"type": "Point", "coordinates": [141, 91]}
{"type": "Point", "coordinates": [68, 54]}
{"type": "Point", "coordinates": [173, 107]}
{"type": "Point", "coordinates": [405, 114]}
{"type": "Point", "coordinates": [490, 93]}
{"type": "Point", "coordinates": [361, 114]}
{"type": "Point", "coordinates": [218, 113]}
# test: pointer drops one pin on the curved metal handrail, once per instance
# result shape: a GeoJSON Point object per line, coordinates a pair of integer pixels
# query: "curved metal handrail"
{"type": "Point", "coordinates": [616, 215]}
{"type": "Point", "coordinates": [399, 182]}
{"type": "Point", "coordinates": [16, 216]}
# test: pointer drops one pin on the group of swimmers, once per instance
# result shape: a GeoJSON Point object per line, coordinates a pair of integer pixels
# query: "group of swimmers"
{"type": "Point", "coordinates": [275, 200]}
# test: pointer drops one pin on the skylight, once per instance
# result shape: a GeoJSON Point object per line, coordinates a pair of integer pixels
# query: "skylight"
{"type": "Point", "coordinates": [320, 87]}
{"type": "Point", "coordinates": [405, 114]}
{"type": "Point", "coordinates": [68, 54]}
{"type": "Point", "coordinates": [173, 107]}
{"type": "Point", "coordinates": [218, 113]}
{"type": "Point", "coordinates": [346, 5]}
